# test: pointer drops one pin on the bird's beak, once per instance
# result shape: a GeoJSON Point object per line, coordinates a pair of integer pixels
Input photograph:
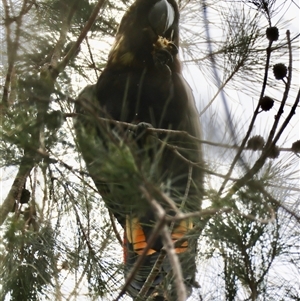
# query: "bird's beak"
{"type": "Point", "coordinates": [161, 16]}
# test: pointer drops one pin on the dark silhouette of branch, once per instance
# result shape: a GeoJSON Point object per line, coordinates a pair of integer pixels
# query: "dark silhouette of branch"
{"type": "Point", "coordinates": [12, 46]}
{"type": "Point", "coordinates": [168, 246]}
{"type": "Point", "coordinates": [156, 231]}
{"type": "Point", "coordinates": [151, 277]}
{"type": "Point", "coordinates": [82, 35]}
{"type": "Point", "coordinates": [66, 24]}
{"type": "Point", "coordinates": [255, 114]}
{"type": "Point", "coordinates": [114, 226]}
{"type": "Point", "coordinates": [284, 97]}
{"type": "Point", "coordinates": [270, 144]}
{"type": "Point", "coordinates": [14, 193]}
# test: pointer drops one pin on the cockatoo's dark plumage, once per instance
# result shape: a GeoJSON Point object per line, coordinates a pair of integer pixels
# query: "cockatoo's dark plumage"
{"type": "Point", "coordinates": [142, 84]}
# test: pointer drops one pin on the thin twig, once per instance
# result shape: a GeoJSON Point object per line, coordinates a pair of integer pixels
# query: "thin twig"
{"type": "Point", "coordinates": [175, 264]}
{"type": "Point", "coordinates": [156, 231]}
{"type": "Point", "coordinates": [169, 246]}
{"type": "Point", "coordinates": [164, 197]}
{"type": "Point", "coordinates": [114, 226]}
{"type": "Point", "coordinates": [255, 114]}
{"type": "Point", "coordinates": [16, 188]}
{"type": "Point", "coordinates": [270, 144]}
{"type": "Point", "coordinates": [91, 56]}
{"type": "Point", "coordinates": [279, 204]}
{"type": "Point", "coordinates": [159, 261]}
{"type": "Point", "coordinates": [66, 24]}
{"type": "Point", "coordinates": [82, 35]}
{"type": "Point", "coordinates": [12, 46]}
{"type": "Point", "coordinates": [236, 69]}
{"type": "Point", "coordinates": [284, 97]}
{"type": "Point", "coordinates": [214, 211]}
{"type": "Point", "coordinates": [152, 275]}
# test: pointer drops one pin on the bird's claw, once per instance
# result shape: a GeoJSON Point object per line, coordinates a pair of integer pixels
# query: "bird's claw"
{"type": "Point", "coordinates": [141, 129]}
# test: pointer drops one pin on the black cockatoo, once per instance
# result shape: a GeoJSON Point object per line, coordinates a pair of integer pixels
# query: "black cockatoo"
{"type": "Point", "coordinates": [142, 85]}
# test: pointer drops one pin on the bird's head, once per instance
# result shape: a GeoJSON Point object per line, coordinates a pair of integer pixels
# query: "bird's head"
{"type": "Point", "coordinates": [146, 24]}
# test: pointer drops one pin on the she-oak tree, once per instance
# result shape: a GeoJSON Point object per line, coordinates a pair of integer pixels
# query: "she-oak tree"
{"type": "Point", "coordinates": [59, 241]}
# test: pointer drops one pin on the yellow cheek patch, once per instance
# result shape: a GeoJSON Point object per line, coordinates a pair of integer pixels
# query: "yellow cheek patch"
{"type": "Point", "coordinates": [126, 58]}
{"type": "Point", "coordinates": [136, 236]}
{"type": "Point", "coordinates": [120, 54]}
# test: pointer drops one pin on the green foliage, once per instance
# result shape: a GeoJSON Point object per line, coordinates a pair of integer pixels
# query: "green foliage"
{"type": "Point", "coordinates": [71, 240]}
{"type": "Point", "coordinates": [248, 241]}
{"type": "Point", "coordinates": [28, 263]}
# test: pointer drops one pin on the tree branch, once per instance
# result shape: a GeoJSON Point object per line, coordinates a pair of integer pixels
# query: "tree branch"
{"type": "Point", "coordinates": [14, 193]}
{"type": "Point", "coordinates": [82, 35]}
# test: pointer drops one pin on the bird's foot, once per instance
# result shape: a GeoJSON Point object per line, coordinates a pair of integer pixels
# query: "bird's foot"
{"type": "Point", "coordinates": [141, 129]}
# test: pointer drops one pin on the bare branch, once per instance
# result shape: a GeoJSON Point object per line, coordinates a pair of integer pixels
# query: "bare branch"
{"type": "Point", "coordinates": [156, 231]}
{"type": "Point", "coordinates": [114, 226]}
{"type": "Point", "coordinates": [14, 193]}
{"type": "Point", "coordinates": [82, 35]}
{"type": "Point", "coordinates": [66, 24]}
{"type": "Point", "coordinates": [255, 114]}
{"type": "Point", "coordinates": [169, 246]}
